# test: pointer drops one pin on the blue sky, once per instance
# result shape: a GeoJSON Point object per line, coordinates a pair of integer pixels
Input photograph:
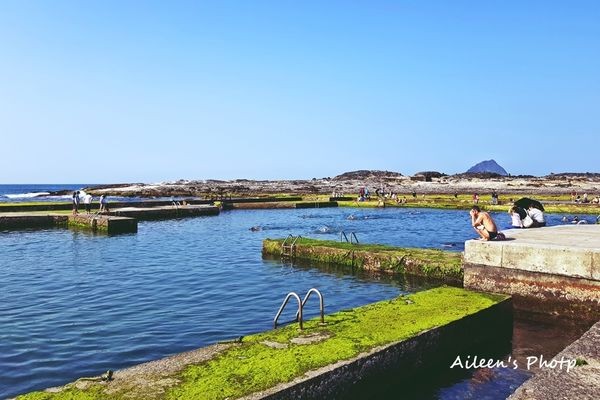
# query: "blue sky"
{"type": "Point", "coordinates": [150, 91]}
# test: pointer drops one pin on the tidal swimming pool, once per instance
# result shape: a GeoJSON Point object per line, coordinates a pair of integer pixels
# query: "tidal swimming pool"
{"type": "Point", "coordinates": [74, 304]}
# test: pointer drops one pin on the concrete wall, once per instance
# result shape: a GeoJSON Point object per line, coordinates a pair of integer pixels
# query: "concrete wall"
{"type": "Point", "coordinates": [580, 382]}
{"type": "Point", "coordinates": [31, 221]}
{"type": "Point", "coordinates": [552, 270]}
{"type": "Point", "coordinates": [165, 212]}
{"type": "Point", "coordinates": [403, 359]}
{"type": "Point", "coordinates": [538, 293]}
{"type": "Point", "coordinates": [104, 223]}
{"type": "Point", "coordinates": [16, 207]}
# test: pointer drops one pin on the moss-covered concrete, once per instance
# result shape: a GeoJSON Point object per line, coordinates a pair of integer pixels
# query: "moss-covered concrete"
{"type": "Point", "coordinates": [464, 202]}
{"type": "Point", "coordinates": [430, 263]}
{"type": "Point", "coordinates": [103, 223]}
{"type": "Point", "coordinates": [559, 204]}
{"type": "Point", "coordinates": [263, 360]}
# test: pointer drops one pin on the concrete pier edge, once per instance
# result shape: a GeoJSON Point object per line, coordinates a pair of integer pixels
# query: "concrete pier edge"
{"type": "Point", "coordinates": [581, 382]}
{"type": "Point", "coordinates": [552, 270]}
{"type": "Point", "coordinates": [489, 320]}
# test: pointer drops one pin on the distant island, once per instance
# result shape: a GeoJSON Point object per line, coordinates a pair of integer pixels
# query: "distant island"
{"type": "Point", "coordinates": [488, 166]}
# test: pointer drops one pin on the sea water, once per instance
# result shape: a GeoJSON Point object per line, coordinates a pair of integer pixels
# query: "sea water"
{"type": "Point", "coordinates": [76, 304]}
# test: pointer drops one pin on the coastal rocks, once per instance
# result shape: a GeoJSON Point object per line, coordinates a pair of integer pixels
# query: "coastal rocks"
{"type": "Point", "coordinates": [366, 175]}
{"type": "Point", "coordinates": [349, 183]}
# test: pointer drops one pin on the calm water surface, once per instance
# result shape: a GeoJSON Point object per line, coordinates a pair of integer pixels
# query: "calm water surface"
{"type": "Point", "coordinates": [74, 304]}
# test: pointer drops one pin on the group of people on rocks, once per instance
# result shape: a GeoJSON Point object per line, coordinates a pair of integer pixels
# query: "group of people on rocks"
{"type": "Point", "coordinates": [381, 194]}
{"type": "Point", "coordinates": [494, 198]}
{"type": "Point", "coordinates": [577, 198]}
{"type": "Point", "coordinates": [87, 199]}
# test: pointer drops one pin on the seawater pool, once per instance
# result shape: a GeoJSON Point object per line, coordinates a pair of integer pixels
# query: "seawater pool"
{"type": "Point", "coordinates": [75, 304]}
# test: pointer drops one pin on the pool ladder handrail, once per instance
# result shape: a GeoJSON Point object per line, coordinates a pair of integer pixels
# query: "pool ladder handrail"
{"type": "Point", "coordinates": [287, 299]}
{"type": "Point", "coordinates": [321, 303]}
{"type": "Point", "coordinates": [301, 304]}
{"type": "Point", "coordinates": [287, 250]}
{"type": "Point", "coordinates": [344, 237]}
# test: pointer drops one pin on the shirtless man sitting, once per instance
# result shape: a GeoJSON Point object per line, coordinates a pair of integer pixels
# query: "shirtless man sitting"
{"type": "Point", "coordinates": [483, 224]}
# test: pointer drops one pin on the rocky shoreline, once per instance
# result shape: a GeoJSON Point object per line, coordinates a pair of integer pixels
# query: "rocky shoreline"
{"type": "Point", "coordinates": [350, 184]}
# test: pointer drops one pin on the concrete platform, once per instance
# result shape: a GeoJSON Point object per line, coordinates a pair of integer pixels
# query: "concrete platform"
{"type": "Point", "coordinates": [11, 221]}
{"type": "Point", "coordinates": [553, 270]}
{"type": "Point", "coordinates": [165, 212]}
{"type": "Point", "coordinates": [104, 223]}
{"type": "Point", "coordinates": [391, 339]}
{"type": "Point", "coordinates": [580, 382]}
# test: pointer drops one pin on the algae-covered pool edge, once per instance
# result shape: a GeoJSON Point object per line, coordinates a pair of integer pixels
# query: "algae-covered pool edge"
{"type": "Point", "coordinates": [252, 366]}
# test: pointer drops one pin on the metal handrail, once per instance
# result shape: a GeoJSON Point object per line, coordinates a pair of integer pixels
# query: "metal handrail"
{"type": "Point", "coordinates": [287, 299]}
{"type": "Point", "coordinates": [286, 239]}
{"type": "Point", "coordinates": [343, 237]}
{"type": "Point", "coordinates": [321, 303]}
{"type": "Point", "coordinates": [290, 247]}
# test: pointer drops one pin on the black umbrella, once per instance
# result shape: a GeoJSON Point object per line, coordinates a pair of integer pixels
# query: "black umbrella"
{"type": "Point", "coordinates": [526, 202]}
{"type": "Point", "coordinates": [521, 211]}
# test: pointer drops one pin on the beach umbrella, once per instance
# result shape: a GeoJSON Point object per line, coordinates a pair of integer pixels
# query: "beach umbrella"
{"type": "Point", "coordinates": [526, 202]}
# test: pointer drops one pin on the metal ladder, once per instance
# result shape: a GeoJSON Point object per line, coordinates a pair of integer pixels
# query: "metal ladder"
{"type": "Point", "coordinates": [288, 246]}
{"type": "Point", "coordinates": [301, 304]}
{"type": "Point", "coordinates": [344, 237]}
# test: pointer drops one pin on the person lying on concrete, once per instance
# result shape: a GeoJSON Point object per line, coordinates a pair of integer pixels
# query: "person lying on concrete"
{"type": "Point", "coordinates": [483, 224]}
{"type": "Point", "coordinates": [537, 216]}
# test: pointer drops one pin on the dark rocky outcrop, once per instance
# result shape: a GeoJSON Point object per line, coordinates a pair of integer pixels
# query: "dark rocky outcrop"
{"type": "Point", "coordinates": [366, 174]}
{"type": "Point", "coordinates": [478, 175]}
{"type": "Point", "coordinates": [431, 174]}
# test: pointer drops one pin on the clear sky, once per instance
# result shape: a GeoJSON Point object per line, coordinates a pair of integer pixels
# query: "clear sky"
{"type": "Point", "coordinates": [144, 91]}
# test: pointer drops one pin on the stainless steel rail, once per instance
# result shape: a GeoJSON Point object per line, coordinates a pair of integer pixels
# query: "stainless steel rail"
{"type": "Point", "coordinates": [321, 303]}
{"type": "Point", "coordinates": [288, 250]}
{"type": "Point", "coordinates": [301, 304]}
{"type": "Point", "coordinates": [287, 299]}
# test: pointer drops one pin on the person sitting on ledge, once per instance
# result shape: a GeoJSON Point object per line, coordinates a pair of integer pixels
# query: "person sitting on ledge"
{"type": "Point", "coordinates": [483, 224]}
{"type": "Point", "coordinates": [517, 215]}
{"type": "Point", "coordinates": [537, 216]}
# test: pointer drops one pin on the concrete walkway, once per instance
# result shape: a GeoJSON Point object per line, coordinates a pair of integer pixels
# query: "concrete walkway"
{"type": "Point", "coordinates": [552, 270]}
{"type": "Point", "coordinates": [570, 250]}
{"type": "Point", "coordinates": [580, 382]}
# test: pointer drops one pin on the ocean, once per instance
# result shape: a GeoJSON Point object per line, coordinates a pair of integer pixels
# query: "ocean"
{"type": "Point", "coordinates": [37, 192]}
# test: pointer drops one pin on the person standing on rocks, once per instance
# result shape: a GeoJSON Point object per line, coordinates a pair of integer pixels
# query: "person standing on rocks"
{"type": "Point", "coordinates": [75, 202]}
{"type": "Point", "coordinates": [103, 204]}
{"type": "Point", "coordinates": [87, 201]}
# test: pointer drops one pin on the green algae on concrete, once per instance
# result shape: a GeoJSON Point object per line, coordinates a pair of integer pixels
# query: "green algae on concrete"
{"type": "Point", "coordinates": [448, 203]}
{"type": "Point", "coordinates": [257, 364]}
{"type": "Point", "coordinates": [430, 263]}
